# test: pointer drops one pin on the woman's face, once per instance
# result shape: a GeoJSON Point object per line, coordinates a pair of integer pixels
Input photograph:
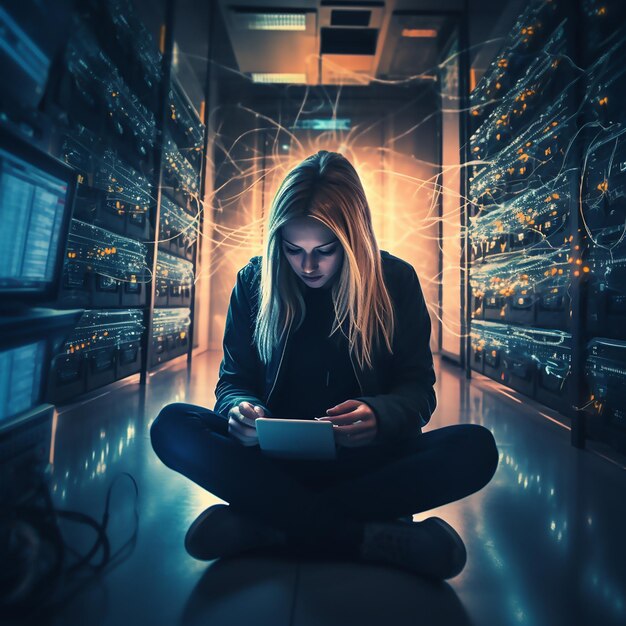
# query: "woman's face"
{"type": "Point", "coordinates": [312, 250]}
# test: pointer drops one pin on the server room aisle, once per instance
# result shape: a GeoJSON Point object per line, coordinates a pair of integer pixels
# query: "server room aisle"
{"type": "Point", "coordinates": [545, 537]}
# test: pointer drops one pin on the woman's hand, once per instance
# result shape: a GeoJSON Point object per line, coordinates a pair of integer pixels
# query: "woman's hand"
{"type": "Point", "coordinates": [241, 422]}
{"type": "Point", "coordinates": [355, 423]}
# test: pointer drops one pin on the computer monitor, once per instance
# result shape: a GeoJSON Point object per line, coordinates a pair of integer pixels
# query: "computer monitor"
{"type": "Point", "coordinates": [21, 377]}
{"type": "Point", "coordinates": [36, 196]}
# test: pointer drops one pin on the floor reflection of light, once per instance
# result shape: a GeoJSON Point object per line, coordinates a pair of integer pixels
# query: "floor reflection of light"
{"type": "Point", "coordinates": [558, 533]}
{"type": "Point", "coordinates": [518, 608]}
{"type": "Point", "coordinates": [607, 593]}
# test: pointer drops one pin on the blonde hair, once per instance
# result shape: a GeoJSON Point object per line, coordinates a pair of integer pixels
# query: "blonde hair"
{"type": "Point", "coordinates": [325, 186]}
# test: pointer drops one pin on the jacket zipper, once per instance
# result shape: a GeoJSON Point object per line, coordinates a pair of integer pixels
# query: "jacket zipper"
{"type": "Point", "coordinates": [280, 363]}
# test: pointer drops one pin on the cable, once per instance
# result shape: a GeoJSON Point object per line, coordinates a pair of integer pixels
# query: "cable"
{"type": "Point", "coordinates": [40, 579]}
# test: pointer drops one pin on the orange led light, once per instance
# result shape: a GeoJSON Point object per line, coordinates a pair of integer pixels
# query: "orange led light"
{"type": "Point", "coordinates": [425, 33]}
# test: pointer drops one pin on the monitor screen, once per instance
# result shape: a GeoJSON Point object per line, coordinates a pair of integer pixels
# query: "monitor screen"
{"type": "Point", "coordinates": [20, 378]}
{"type": "Point", "coordinates": [35, 203]}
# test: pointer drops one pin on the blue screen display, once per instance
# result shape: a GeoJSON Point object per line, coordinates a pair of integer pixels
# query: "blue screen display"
{"type": "Point", "coordinates": [32, 205]}
{"type": "Point", "coordinates": [20, 378]}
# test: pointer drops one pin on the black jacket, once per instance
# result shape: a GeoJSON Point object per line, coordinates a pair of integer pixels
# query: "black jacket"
{"type": "Point", "coordinates": [399, 388]}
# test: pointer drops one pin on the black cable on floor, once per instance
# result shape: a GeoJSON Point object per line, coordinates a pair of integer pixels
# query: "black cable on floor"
{"type": "Point", "coordinates": [39, 580]}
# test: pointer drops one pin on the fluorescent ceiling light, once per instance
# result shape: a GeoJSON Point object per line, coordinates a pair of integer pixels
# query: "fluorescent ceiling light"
{"type": "Point", "coordinates": [428, 33]}
{"type": "Point", "coordinates": [342, 123]}
{"type": "Point", "coordinates": [271, 21]}
{"type": "Point", "coordinates": [278, 78]}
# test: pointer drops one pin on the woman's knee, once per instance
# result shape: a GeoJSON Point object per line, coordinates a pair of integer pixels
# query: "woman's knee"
{"type": "Point", "coordinates": [161, 429]}
{"type": "Point", "coordinates": [473, 446]}
{"type": "Point", "coordinates": [486, 450]}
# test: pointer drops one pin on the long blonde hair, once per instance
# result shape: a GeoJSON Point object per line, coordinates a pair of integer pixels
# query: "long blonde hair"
{"type": "Point", "coordinates": [325, 186]}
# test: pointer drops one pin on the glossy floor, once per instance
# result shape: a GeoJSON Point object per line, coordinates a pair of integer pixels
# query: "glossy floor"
{"type": "Point", "coordinates": [546, 538]}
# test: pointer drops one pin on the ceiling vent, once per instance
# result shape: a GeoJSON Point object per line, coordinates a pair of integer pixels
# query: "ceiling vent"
{"type": "Point", "coordinates": [349, 41]}
{"type": "Point", "coordinates": [339, 17]}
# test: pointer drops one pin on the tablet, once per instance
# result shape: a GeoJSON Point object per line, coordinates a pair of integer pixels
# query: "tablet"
{"type": "Point", "coordinates": [296, 439]}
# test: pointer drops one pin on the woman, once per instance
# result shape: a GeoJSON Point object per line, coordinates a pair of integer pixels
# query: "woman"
{"type": "Point", "coordinates": [327, 326]}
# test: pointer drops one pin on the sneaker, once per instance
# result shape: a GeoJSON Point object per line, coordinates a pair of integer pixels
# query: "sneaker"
{"type": "Point", "coordinates": [431, 548]}
{"type": "Point", "coordinates": [221, 532]}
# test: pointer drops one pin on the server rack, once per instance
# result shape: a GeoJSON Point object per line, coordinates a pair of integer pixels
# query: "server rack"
{"type": "Point", "coordinates": [113, 109]}
{"type": "Point", "coordinates": [547, 215]}
{"type": "Point", "coordinates": [602, 40]}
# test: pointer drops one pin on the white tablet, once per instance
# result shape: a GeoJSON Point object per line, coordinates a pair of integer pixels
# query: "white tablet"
{"type": "Point", "coordinates": [296, 439]}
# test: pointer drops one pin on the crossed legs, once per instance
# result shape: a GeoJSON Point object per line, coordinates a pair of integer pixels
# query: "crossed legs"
{"type": "Point", "coordinates": [316, 501]}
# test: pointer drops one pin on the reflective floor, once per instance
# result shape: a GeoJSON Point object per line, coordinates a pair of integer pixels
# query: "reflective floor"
{"type": "Point", "coordinates": [545, 539]}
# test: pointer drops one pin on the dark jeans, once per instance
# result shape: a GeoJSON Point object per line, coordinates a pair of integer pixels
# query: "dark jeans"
{"type": "Point", "coordinates": [310, 500]}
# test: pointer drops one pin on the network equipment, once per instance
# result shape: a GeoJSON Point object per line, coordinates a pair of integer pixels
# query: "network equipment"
{"type": "Point", "coordinates": [100, 83]}
{"type": "Point", "coordinates": [170, 333]}
{"type": "Point", "coordinates": [605, 180]}
{"type": "Point", "coordinates": [180, 173]}
{"type": "Point", "coordinates": [526, 39]}
{"type": "Point", "coordinates": [520, 189]}
{"type": "Point", "coordinates": [107, 258]}
{"type": "Point", "coordinates": [104, 346]}
{"type": "Point", "coordinates": [133, 40]}
{"type": "Point", "coordinates": [536, 362]}
{"type": "Point", "coordinates": [185, 118]}
{"type": "Point", "coordinates": [111, 193]}
{"type": "Point", "coordinates": [606, 371]}
{"type": "Point", "coordinates": [526, 221]}
{"type": "Point", "coordinates": [103, 330]}
{"type": "Point", "coordinates": [100, 111]}
{"type": "Point", "coordinates": [507, 286]}
{"type": "Point", "coordinates": [548, 226]}
{"type": "Point", "coordinates": [174, 278]}
{"type": "Point", "coordinates": [606, 77]}
{"type": "Point", "coordinates": [545, 77]}
{"type": "Point", "coordinates": [178, 228]}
